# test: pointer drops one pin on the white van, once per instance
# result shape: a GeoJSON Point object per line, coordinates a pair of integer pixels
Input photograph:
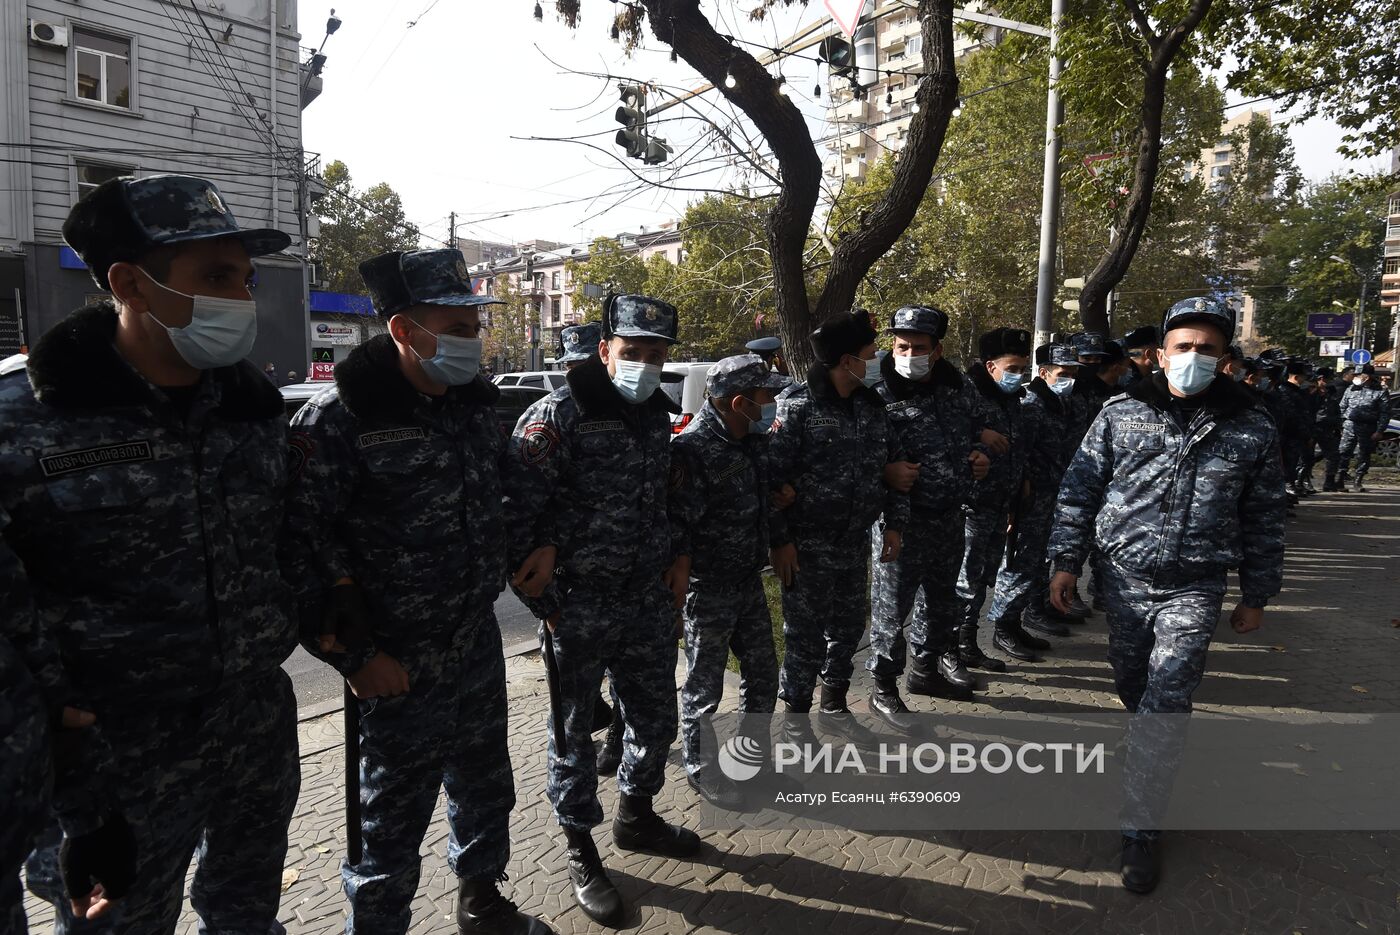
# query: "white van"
{"type": "Point", "coordinates": [685, 384]}
{"type": "Point", "coordinates": [544, 379]}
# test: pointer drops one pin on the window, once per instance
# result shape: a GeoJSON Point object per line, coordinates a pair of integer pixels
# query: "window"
{"type": "Point", "coordinates": [102, 68]}
{"type": "Point", "coordinates": [554, 280]}
{"type": "Point", "coordinates": [1220, 172]}
{"type": "Point", "coordinates": [554, 307]}
{"type": "Point", "coordinates": [1223, 156]}
{"type": "Point", "coordinates": [914, 48]}
{"type": "Point", "coordinates": [93, 174]}
{"type": "Point", "coordinates": [1392, 266]}
{"type": "Point", "coordinates": [532, 381]}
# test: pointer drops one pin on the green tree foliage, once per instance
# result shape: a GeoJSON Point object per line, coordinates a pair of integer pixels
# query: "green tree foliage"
{"type": "Point", "coordinates": [608, 265]}
{"type": "Point", "coordinates": [1297, 275]}
{"type": "Point", "coordinates": [506, 340]}
{"type": "Point", "coordinates": [356, 225]}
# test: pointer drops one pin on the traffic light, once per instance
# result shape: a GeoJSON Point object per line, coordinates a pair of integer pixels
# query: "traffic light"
{"type": "Point", "coordinates": [633, 135]}
{"type": "Point", "coordinates": [657, 151]}
{"type": "Point", "coordinates": [839, 55]}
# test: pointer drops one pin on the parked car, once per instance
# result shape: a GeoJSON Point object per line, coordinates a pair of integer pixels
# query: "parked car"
{"type": "Point", "coordinates": [513, 403]}
{"type": "Point", "coordinates": [295, 395]}
{"type": "Point", "coordinates": [13, 362]}
{"type": "Point", "coordinates": [685, 384]}
{"type": "Point", "coordinates": [546, 379]}
{"type": "Point", "coordinates": [1388, 448]}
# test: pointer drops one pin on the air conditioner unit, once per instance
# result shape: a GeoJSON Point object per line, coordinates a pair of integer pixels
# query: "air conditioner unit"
{"type": "Point", "coordinates": [49, 34]}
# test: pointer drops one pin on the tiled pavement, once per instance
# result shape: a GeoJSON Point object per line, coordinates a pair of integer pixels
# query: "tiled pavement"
{"type": "Point", "coordinates": [1330, 643]}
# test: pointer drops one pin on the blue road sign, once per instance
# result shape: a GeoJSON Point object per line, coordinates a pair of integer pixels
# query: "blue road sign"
{"type": "Point", "coordinates": [1359, 356]}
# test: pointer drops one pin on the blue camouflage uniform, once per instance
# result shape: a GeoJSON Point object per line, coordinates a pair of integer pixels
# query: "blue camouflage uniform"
{"type": "Point", "coordinates": [140, 535]}
{"type": "Point", "coordinates": [933, 424]}
{"type": "Point", "coordinates": [401, 492]}
{"type": "Point", "coordinates": [833, 452]}
{"type": "Point", "coordinates": [588, 474]}
{"type": "Point", "coordinates": [718, 507]}
{"type": "Point", "coordinates": [1174, 495]}
{"type": "Point", "coordinates": [993, 497]}
{"type": "Point", "coordinates": [1023, 578]}
{"type": "Point", "coordinates": [1365, 410]}
{"type": "Point", "coordinates": [577, 343]}
{"type": "Point", "coordinates": [25, 769]}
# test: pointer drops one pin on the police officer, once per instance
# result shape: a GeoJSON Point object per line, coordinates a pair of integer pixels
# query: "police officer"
{"type": "Point", "coordinates": [1296, 430]}
{"type": "Point", "coordinates": [586, 496]}
{"type": "Point", "coordinates": [1365, 409]}
{"type": "Point", "coordinates": [1178, 481]}
{"type": "Point", "coordinates": [395, 522]}
{"type": "Point", "coordinates": [1327, 429]}
{"type": "Point", "coordinates": [718, 507]}
{"type": "Point", "coordinates": [931, 415]}
{"type": "Point", "coordinates": [26, 772]}
{"type": "Point", "coordinates": [997, 384]}
{"type": "Point", "coordinates": [771, 350]}
{"type": "Point", "coordinates": [1050, 442]}
{"type": "Point", "coordinates": [141, 486]}
{"type": "Point", "coordinates": [577, 343]}
{"type": "Point", "coordinates": [831, 443]}
{"type": "Point", "coordinates": [1140, 345]}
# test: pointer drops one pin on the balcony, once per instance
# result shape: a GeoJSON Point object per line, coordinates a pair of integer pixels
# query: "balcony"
{"type": "Point", "coordinates": [851, 110]}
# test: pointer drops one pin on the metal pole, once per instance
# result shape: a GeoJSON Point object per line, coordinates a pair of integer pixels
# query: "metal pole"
{"type": "Point", "coordinates": [1361, 317]}
{"type": "Point", "coordinates": [1050, 190]}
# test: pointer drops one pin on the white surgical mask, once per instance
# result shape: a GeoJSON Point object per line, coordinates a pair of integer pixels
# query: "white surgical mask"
{"type": "Point", "coordinates": [636, 381]}
{"type": "Point", "coordinates": [457, 361]}
{"type": "Point", "coordinates": [1358, 381]}
{"type": "Point", "coordinates": [220, 333]}
{"type": "Point", "coordinates": [913, 368]}
{"type": "Point", "coordinates": [1191, 372]}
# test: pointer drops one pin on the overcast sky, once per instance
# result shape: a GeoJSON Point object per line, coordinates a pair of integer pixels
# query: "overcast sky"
{"type": "Point", "coordinates": [436, 110]}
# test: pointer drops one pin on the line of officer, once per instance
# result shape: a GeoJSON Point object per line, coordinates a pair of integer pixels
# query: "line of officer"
{"type": "Point", "coordinates": [1365, 409]}
{"type": "Point", "coordinates": [831, 443]}
{"type": "Point", "coordinates": [586, 494]}
{"type": "Point", "coordinates": [770, 350]}
{"type": "Point", "coordinates": [1140, 345]}
{"type": "Point", "coordinates": [1177, 481]}
{"type": "Point", "coordinates": [395, 526]}
{"type": "Point", "coordinates": [718, 507]}
{"type": "Point", "coordinates": [141, 484]}
{"type": "Point", "coordinates": [1299, 408]}
{"type": "Point", "coordinates": [930, 410]}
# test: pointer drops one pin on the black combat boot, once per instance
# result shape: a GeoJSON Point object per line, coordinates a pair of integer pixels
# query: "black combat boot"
{"type": "Point", "coordinates": [610, 753]}
{"type": "Point", "coordinates": [1034, 642]}
{"type": "Point", "coordinates": [1140, 866]}
{"type": "Point", "coordinates": [885, 701]}
{"type": "Point", "coordinates": [1357, 487]}
{"type": "Point", "coordinates": [638, 828]}
{"type": "Point", "coordinates": [835, 718]}
{"type": "Point", "coordinates": [1038, 620]}
{"type": "Point", "coordinates": [593, 891]}
{"type": "Point", "coordinates": [716, 788]}
{"type": "Point", "coordinates": [482, 910]}
{"type": "Point", "coordinates": [971, 653]}
{"type": "Point", "coordinates": [1006, 637]}
{"type": "Point", "coordinates": [925, 678]}
{"type": "Point", "coordinates": [951, 667]}
{"type": "Point", "coordinates": [1077, 607]}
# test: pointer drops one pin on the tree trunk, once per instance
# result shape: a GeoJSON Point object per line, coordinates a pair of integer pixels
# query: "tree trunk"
{"type": "Point", "coordinates": [1132, 220]}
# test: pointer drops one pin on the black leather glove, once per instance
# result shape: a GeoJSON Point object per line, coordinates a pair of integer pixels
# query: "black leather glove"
{"type": "Point", "coordinates": [106, 856]}
{"type": "Point", "coordinates": [345, 615]}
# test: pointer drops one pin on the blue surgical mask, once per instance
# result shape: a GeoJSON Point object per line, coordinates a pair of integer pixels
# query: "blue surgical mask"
{"type": "Point", "coordinates": [1191, 372]}
{"type": "Point", "coordinates": [636, 381]}
{"type": "Point", "coordinates": [1062, 387]}
{"type": "Point", "coordinates": [457, 361]}
{"type": "Point", "coordinates": [767, 412]}
{"type": "Point", "coordinates": [220, 333]}
{"type": "Point", "coordinates": [872, 372]}
{"type": "Point", "coordinates": [1010, 382]}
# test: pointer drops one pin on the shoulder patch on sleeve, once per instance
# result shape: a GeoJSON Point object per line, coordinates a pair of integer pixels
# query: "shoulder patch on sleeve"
{"type": "Point", "coordinates": [677, 476]}
{"type": "Point", "coordinates": [301, 447]}
{"type": "Point", "coordinates": [537, 442]}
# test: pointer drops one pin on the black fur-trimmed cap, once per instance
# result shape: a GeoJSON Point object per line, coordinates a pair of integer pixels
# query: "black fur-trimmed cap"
{"type": "Point", "coordinates": [1140, 338]}
{"type": "Point", "coordinates": [125, 218]}
{"type": "Point", "coordinates": [1004, 341]}
{"type": "Point", "coordinates": [841, 334]}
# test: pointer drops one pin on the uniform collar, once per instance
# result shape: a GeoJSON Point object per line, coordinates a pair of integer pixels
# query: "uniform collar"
{"type": "Point", "coordinates": [1224, 397]}
{"type": "Point", "coordinates": [373, 388]}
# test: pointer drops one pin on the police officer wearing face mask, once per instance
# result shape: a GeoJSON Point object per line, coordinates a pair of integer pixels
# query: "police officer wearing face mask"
{"type": "Point", "coordinates": [595, 557]}
{"type": "Point", "coordinates": [1327, 429]}
{"type": "Point", "coordinates": [395, 533]}
{"type": "Point", "coordinates": [141, 485]}
{"type": "Point", "coordinates": [931, 414]}
{"type": "Point", "coordinates": [1177, 481]}
{"type": "Point", "coordinates": [578, 343]}
{"type": "Point", "coordinates": [997, 384]}
{"type": "Point", "coordinates": [1021, 584]}
{"type": "Point", "coordinates": [1141, 347]}
{"type": "Point", "coordinates": [718, 506]}
{"type": "Point", "coordinates": [1364, 408]}
{"type": "Point", "coordinates": [831, 443]}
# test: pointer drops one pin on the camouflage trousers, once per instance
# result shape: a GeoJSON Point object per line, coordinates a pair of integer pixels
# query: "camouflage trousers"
{"type": "Point", "coordinates": [448, 731]}
{"type": "Point", "coordinates": [984, 541]}
{"type": "Point", "coordinates": [1024, 577]}
{"type": "Point", "coordinates": [1158, 639]}
{"type": "Point", "coordinates": [217, 777]}
{"type": "Point", "coordinates": [719, 617]}
{"type": "Point", "coordinates": [25, 776]}
{"type": "Point", "coordinates": [631, 633]}
{"type": "Point", "coordinates": [1326, 440]}
{"type": "Point", "coordinates": [824, 615]}
{"type": "Point", "coordinates": [1356, 439]}
{"type": "Point", "coordinates": [921, 582]}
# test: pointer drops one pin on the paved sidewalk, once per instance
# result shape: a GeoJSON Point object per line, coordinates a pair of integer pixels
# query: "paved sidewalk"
{"type": "Point", "coordinates": [1329, 643]}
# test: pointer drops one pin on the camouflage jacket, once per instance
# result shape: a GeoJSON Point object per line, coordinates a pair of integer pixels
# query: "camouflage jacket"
{"type": "Point", "coordinates": [1087, 398]}
{"type": "Point", "coordinates": [587, 473]}
{"type": "Point", "coordinates": [25, 774]}
{"type": "Point", "coordinates": [833, 452]}
{"type": "Point", "coordinates": [1001, 412]}
{"type": "Point", "coordinates": [1175, 506]}
{"type": "Point", "coordinates": [1329, 406]}
{"type": "Point", "coordinates": [139, 555]}
{"type": "Point", "coordinates": [934, 425]}
{"type": "Point", "coordinates": [1367, 404]}
{"type": "Point", "coordinates": [402, 493]}
{"type": "Point", "coordinates": [1048, 421]}
{"type": "Point", "coordinates": [718, 502]}
{"type": "Point", "coordinates": [1297, 413]}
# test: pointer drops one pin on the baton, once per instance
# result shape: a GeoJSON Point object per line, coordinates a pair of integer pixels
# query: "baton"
{"type": "Point", "coordinates": [556, 696]}
{"type": "Point", "coordinates": [353, 842]}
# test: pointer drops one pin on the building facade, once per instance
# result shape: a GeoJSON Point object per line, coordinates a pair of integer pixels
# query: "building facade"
{"type": "Point", "coordinates": [1390, 260]}
{"type": "Point", "coordinates": [92, 91]}
{"type": "Point", "coordinates": [1217, 163]}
